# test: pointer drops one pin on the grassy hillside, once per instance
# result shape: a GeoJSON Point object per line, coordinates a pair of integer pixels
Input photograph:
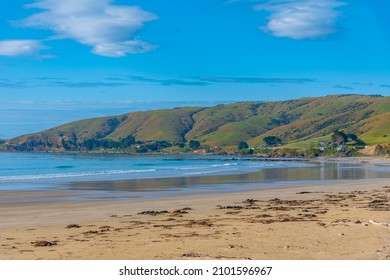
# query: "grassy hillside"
{"type": "Point", "coordinates": [297, 122]}
{"type": "Point", "coordinates": [169, 125]}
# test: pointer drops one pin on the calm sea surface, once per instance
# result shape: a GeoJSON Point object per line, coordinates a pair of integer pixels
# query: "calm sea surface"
{"type": "Point", "coordinates": [129, 176]}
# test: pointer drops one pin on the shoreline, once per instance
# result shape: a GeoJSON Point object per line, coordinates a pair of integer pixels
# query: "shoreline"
{"type": "Point", "coordinates": [260, 157]}
{"type": "Point", "coordinates": [318, 221]}
{"type": "Point", "coordinates": [127, 187]}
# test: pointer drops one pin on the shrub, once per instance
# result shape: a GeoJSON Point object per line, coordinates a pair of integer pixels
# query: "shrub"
{"type": "Point", "coordinates": [194, 145]}
{"type": "Point", "coordinates": [272, 141]}
{"type": "Point", "coordinates": [242, 145]}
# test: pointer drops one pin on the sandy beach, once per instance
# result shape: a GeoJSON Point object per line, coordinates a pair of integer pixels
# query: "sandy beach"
{"type": "Point", "coordinates": [342, 220]}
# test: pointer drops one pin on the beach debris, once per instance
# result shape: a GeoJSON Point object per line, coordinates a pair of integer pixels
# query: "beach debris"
{"type": "Point", "coordinates": [44, 243]}
{"type": "Point", "coordinates": [179, 211]}
{"type": "Point", "coordinates": [231, 246]}
{"type": "Point", "coordinates": [334, 197]}
{"type": "Point", "coordinates": [283, 218]}
{"type": "Point", "coordinates": [377, 202]}
{"type": "Point", "coordinates": [91, 232]}
{"type": "Point", "coordinates": [278, 201]}
{"type": "Point", "coordinates": [265, 221]}
{"type": "Point", "coordinates": [165, 226]}
{"type": "Point", "coordinates": [191, 255]}
{"type": "Point", "coordinates": [263, 216]}
{"type": "Point", "coordinates": [290, 219]}
{"type": "Point", "coordinates": [72, 226]}
{"type": "Point", "coordinates": [25, 251]}
{"type": "Point", "coordinates": [278, 208]}
{"type": "Point", "coordinates": [250, 201]}
{"type": "Point", "coordinates": [152, 212]}
{"type": "Point", "coordinates": [341, 221]}
{"type": "Point", "coordinates": [307, 215]}
{"type": "Point", "coordinates": [379, 224]}
{"type": "Point", "coordinates": [105, 228]}
{"type": "Point", "coordinates": [233, 212]}
{"type": "Point", "coordinates": [81, 240]}
{"type": "Point", "coordinates": [220, 257]}
{"type": "Point", "coordinates": [251, 207]}
{"type": "Point", "coordinates": [192, 223]}
{"type": "Point", "coordinates": [380, 204]}
{"type": "Point", "coordinates": [234, 207]}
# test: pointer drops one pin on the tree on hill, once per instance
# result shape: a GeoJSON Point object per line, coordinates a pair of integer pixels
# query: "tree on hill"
{"type": "Point", "coordinates": [194, 145]}
{"type": "Point", "coordinates": [127, 142]}
{"type": "Point", "coordinates": [272, 141]}
{"type": "Point", "coordinates": [244, 149]}
{"type": "Point", "coordinates": [339, 137]}
{"type": "Point", "coordinates": [379, 151]}
{"type": "Point", "coordinates": [242, 145]}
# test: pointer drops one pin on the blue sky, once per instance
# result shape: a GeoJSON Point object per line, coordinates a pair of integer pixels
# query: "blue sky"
{"type": "Point", "coordinates": [67, 60]}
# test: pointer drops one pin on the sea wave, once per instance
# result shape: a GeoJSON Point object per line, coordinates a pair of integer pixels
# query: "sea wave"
{"type": "Point", "coordinates": [224, 165]}
{"type": "Point", "coordinates": [192, 168]}
{"type": "Point", "coordinates": [71, 175]}
{"type": "Point", "coordinates": [198, 167]}
{"type": "Point", "coordinates": [210, 171]}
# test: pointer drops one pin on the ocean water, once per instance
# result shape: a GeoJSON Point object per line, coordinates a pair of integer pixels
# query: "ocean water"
{"type": "Point", "coordinates": [118, 176]}
{"type": "Point", "coordinates": [37, 169]}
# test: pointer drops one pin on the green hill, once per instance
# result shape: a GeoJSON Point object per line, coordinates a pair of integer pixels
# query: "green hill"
{"type": "Point", "coordinates": [293, 121]}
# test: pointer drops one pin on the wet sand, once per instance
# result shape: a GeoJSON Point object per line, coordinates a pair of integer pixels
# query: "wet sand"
{"type": "Point", "coordinates": [341, 220]}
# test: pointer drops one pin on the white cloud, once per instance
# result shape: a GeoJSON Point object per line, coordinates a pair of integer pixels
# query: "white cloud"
{"type": "Point", "coordinates": [121, 48]}
{"type": "Point", "coordinates": [20, 47]}
{"type": "Point", "coordinates": [301, 19]}
{"type": "Point", "coordinates": [109, 29]}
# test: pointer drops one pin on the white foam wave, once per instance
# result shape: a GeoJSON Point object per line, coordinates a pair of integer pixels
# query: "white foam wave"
{"type": "Point", "coordinates": [71, 175]}
{"type": "Point", "coordinates": [192, 168]}
{"type": "Point", "coordinates": [198, 167]}
{"type": "Point", "coordinates": [212, 171]}
{"type": "Point", "coordinates": [223, 165]}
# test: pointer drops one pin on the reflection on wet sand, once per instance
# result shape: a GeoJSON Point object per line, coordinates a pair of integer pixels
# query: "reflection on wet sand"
{"type": "Point", "coordinates": [318, 171]}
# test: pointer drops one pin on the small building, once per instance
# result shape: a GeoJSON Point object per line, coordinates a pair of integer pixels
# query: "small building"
{"type": "Point", "coordinates": [341, 148]}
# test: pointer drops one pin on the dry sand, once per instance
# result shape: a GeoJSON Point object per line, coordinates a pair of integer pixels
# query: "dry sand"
{"type": "Point", "coordinates": [347, 220]}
